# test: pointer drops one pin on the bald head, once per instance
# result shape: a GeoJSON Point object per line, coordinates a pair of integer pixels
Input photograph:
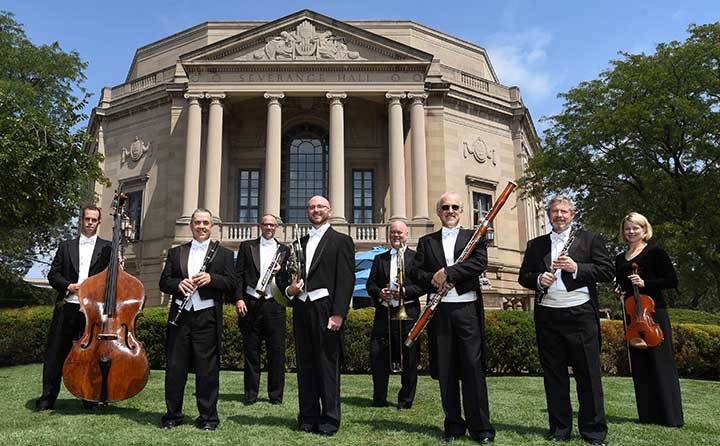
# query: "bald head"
{"type": "Point", "coordinates": [318, 210]}
{"type": "Point", "coordinates": [449, 208]}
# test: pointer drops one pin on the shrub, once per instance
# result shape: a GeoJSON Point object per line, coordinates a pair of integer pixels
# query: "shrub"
{"type": "Point", "coordinates": [510, 340]}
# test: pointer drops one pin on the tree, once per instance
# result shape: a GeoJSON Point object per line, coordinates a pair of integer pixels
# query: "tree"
{"type": "Point", "coordinates": [645, 136]}
{"type": "Point", "coordinates": [46, 173]}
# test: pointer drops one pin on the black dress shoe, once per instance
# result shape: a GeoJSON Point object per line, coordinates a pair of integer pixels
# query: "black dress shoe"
{"type": "Point", "coordinates": [206, 426]}
{"type": "Point", "coordinates": [171, 424]}
{"type": "Point", "coordinates": [276, 402]}
{"type": "Point", "coordinates": [597, 443]}
{"type": "Point", "coordinates": [90, 406]}
{"type": "Point", "coordinates": [558, 438]}
{"type": "Point", "coordinates": [404, 406]}
{"type": "Point", "coordinates": [448, 438]}
{"type": "Point", "coordinates": [41, 405]}
{"type": "Point", "coordinates": [326, 433]}
{"type": "Point", "coordinates": [249, 402]}
{"type": "Point", "coordinates": [306, 428]}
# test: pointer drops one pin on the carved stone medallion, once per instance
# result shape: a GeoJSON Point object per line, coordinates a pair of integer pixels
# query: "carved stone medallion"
{"type": "Point", "coordinates": [479, 150]}
{"type": "Point", "coordinates": [137, 150]}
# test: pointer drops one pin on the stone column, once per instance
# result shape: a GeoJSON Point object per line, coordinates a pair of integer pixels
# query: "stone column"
{"type": "Point", "coordinates": [271, 197]}
{"type": "Point", "coordinates": [419, 158]}
{"type": "Point", "coordinates": [213, 165]}
{"type": "Point", "coordinates": [336, 190]}
{"type": "Point", "coordinates": [192, 155]}
{"type": "Point", "coordinates": [397, 159]}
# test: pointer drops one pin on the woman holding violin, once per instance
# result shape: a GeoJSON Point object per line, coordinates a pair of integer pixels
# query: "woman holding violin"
{"type": "Point", "coordinates": [642, 271]}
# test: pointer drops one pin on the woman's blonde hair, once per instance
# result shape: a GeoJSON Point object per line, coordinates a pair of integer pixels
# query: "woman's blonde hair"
{"type": "Point", "coordinates": [638, 219]}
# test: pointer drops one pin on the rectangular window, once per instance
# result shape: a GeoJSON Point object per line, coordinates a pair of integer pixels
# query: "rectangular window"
{"type": "Point", "coordinates": [363, 196]}
{"type": "Point", "coordinates": [133, 209]}
{"type": "Point", "coordinates": [249, 196]}
{"type": "Point", "coordinates": [481, 204]}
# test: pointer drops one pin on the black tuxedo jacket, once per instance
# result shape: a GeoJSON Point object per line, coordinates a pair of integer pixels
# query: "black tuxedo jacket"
{"type": "Point", "coordinates": [332, 267]}
{"type": "Point", "coordinates": [587, 250]}
{"type": "Point", "coordinates": [64, 269]}
{"type": "Point", "coordinates": [380, 278]}
{"type": "Point", "coordinates": [430, 257]}
{"type": "Point", "coordinates": [221, 270]}
{"type": "Point", "coordinates": [247, 265]}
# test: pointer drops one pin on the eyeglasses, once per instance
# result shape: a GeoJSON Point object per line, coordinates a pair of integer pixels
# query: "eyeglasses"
{"type": "Point", "coordinates": [447, 207]}
{"type": "Point", "coordinates": [317, 206]}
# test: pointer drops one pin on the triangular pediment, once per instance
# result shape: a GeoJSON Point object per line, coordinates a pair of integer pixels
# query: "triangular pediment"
{"type": "Point", "coordinates": [307, 36]}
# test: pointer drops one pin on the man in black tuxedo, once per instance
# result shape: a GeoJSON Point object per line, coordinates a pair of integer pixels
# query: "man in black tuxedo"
{"type": "Point", "coordinates": [566, 320]}
{"type": "Point", "coordinates": [75, 261]}
{"type": "Point", "coordinates": [320, 301]}
{"type": "Point", "coordinates": [382, 286]}
{"type": "Point", "coordinates": [196, 339]}
{"type": "Point", "coordinates": [260, 316]}
{"type": "Point", "coordinates": [457, 330]}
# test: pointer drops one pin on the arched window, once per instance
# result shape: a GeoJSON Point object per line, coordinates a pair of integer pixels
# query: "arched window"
{"type": "Point", "coordinates": [304, 170]}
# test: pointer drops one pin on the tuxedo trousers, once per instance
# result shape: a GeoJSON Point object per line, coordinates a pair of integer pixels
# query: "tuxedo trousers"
{"type": "Point", "coordinates": [570, 337]}
{"type": "Point", "coordinates": [67, 325]}
{"type": "Point", "coordinates": [264, 322]}
{"type": "Point", "coordinates": [193, 343]}
{"type": "Point", "coordinates": [317, 351]}
{"type": "Point", "coordinates": [458, 344]}
{"type": "Point", "coordinates": [386, 340]}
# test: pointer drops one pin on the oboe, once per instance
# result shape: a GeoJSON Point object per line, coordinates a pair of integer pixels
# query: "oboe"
{"type": "Point", "coordinates": [565, 249]}
{"type": "Point", "coordinates": [209, 256]}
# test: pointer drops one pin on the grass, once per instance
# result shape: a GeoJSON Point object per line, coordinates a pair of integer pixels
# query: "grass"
{"type": "Point", "coordinates": [517, 408]}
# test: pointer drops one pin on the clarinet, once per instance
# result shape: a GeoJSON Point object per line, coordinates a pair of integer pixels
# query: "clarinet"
{"type": "Point", "coordinates": [542, 291]}
{"type": "Point", "coordinates": [209, 256]}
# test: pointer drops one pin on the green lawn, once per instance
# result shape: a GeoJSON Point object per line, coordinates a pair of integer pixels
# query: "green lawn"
{"type": "Point", "coordinates": [517, 410]}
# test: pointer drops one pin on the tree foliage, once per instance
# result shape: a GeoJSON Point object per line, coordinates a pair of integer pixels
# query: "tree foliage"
{"type": "Point", "coordinates": [645, 137]}
{"type": "Point", "coordinates": [46, 173]}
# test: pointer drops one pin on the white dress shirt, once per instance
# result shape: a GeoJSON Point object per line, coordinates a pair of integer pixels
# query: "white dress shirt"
{"type": "Point", "coordinates": [195, 261]}
{"type": "Point", "coordinates": [449, 237]}
{"type": "Point", "coordinates": [314, 237]}
{"type": "Point", "coordinates": [87, 247]}
{"type": "Point", "coordinates": [393, 277]}
{"type": "Point", "coordinates": [558, 296]}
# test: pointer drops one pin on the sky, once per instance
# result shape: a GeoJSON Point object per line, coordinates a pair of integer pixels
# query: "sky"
{"type": "Point", "coordinates": [543, 47]}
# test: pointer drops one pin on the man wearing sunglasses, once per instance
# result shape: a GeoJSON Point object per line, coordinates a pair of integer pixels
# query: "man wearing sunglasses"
{"type": "Point", "coordinates": [456, 332]}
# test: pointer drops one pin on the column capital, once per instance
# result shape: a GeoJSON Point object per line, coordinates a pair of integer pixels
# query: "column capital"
{"type": "Point", "coordinates": [394, 97]}
{"type": "Point", "coordinates": [193, 96]}
{"type": "Point", "coordinates": [274, 97]}
{"type": "Point", "coordinates": [215, 97]}
{"type": "Point", "coordinates": [417, 98]}
{"type": "Point", "coordinates": [336, 97]}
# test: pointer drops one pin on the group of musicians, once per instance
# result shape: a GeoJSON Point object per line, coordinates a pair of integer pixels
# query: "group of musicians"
{"type": "Point", "coordinates": [563, 268]}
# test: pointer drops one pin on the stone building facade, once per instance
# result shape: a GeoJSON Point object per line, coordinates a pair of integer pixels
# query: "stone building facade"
{"type": "Point", "coordinates": [249, 117]}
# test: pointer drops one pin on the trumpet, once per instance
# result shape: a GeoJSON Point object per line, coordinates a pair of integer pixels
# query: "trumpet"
{"type": "Point", "coordinates": [269, 274]}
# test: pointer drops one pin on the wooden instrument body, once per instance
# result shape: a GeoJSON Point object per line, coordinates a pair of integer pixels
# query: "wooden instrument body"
{"type": "Point", "coordinates": [108, 339]}
{"type": "Point", "coordinates": [640, 308]}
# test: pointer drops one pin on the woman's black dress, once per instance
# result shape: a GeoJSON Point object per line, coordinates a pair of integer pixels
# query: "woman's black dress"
{"type": "Point", "coordinates": [657, 388]}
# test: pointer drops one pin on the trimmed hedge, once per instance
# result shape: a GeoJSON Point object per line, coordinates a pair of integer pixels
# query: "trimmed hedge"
{"type": "Point", "coordinates": [511, 346]}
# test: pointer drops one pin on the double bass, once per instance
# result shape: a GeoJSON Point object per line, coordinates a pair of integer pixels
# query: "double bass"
{"type": "Point", "coordinates": [642, 331]}
{"type": "Point", "coordinates": [108, 363]}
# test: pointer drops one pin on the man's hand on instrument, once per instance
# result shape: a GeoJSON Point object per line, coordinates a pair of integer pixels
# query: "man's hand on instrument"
{"type": "Point", "coordinates": [565, 263]}
{"type": "Point", "coordinates": [241, 308]}
{"type": "Point", "coordinates": [439, 279]}
{"type": "Point", "coordinates": [547, 279]}
{"type": "Point", "coordinates": [201, 279]}
{"type": "Point", "coordinates": [186, 286]}
{"type": "Point", "coordinates": [636, 280]}
{"type": "Point", "coordinates": [335, 322]}
{"type": "Point", "coordinates": [387, 294]}
{"type": "Point", "coordinates": [296, 287]}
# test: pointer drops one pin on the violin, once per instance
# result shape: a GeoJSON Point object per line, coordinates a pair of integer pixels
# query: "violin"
{"type": "Point", "coordinates": [642, 331]}
{"type": "Point", "coordinates": [108, 363]}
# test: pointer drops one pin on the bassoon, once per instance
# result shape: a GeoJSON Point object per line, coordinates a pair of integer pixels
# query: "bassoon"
{"type": "Point", "coordinates": [479, 234]}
